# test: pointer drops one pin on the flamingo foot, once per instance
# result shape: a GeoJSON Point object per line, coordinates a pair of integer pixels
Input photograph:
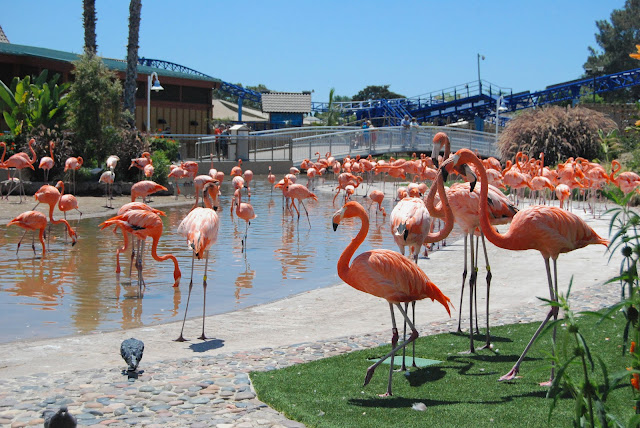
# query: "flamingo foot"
{"type": "Point", "coordinates": [547, 383]}
{"type": "Point", "coordinates": [386, 394]}
{"type": "Point", "coordinates": [513, 374]}
{"type": "Point", "coordinates": [203, 337]}
{"type": "Point", "coordinates": [180, 339]}
{"type": "Point", "coordinates": [487, 345]}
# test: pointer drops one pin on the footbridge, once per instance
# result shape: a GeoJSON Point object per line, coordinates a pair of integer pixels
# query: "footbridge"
{"type": "Point", "coordinates": [297, 144]}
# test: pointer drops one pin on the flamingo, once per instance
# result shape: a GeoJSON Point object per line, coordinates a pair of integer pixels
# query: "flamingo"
{"type": "Point", "coordinates": [562, 193]}
{"type": "Point", "coordinates": [238, 183]}
{"type": "Point", "coordinates": [627, 181]}
{"type": "Point", "coordinates": [47, 162]}
{"type": "Point", "coordinates": [148, 171]}
{"type": "Point", "coordinates": [73, 164]}
{"type": "Point", "coordinates": [108, 178]}
{"type": "Point", "coordinates": [271, 178]}
{"type": "Point", "coordinates": [177, 173]}
{"type": "Point", "coordinates": [248, 176]}
{"type": "Point", "coordinates": [385, 274]}
{"type": "Point", "coordinates": [19, 161]}
{"type": "Point", "coordinates": [299, 192]}
{"type": "Point", "coordinates": [145, 188]}
{"type": "Point", "coordinates": [244, 211]}
{"type": "Point", "coordinates": [67, 202]}
{"type": "Point", "coordinates": [377, 196]}
{"type": "Point", "coordinates": [200, 227]}
{"type": "Point", "coordinates": [112, 162]}
{"type": "Point", "coordinates": [237, 170]}
{"type": "Point", "coordinates": [198, 184]}
{"type": "Point", "coordinates": [31, 220]}
{"type": "Point", "coordinates": [410, 223]}
{"type": "Point", "coordinates": [142, 161]}
{"type": "Point", "coordinates": [123, 209]}
{"type": "Point", "coordinates": [50, 195]}
{"type": "Point", "coordinates": [550, 230]}
{"type": "Point", "coordinates": [143, 224]}
{"type": "Point", "coordinates": [465, 206]}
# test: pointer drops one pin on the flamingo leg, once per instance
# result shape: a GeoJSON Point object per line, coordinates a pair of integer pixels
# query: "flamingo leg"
{"type": "Point", "coordinates": [394, 342]}
{"type": "Point", "coordinates": [487, 344]}
{"type": "Point", "coordinates": [475, 279]}
{"type": "Point", "coordinates": [20, 241]}
{"type": "Point", "coordinates": [181, 338]}
{"type": "Point", "coordinates": [464, 280]}
{"type": "Point", "coordinates": [306, 212]}
{"type": "Point", "coordinates": [552, 312]}
{"type": "Point", "coordinates": [412, 337]}
{"type": "Point", "coordinates": [204, 296]}
{"type": "Point", "coordinates": [472, 284]}
{"type": "Point", "coordinates": [403, 367]}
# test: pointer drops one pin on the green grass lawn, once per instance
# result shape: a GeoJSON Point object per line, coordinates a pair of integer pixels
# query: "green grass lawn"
{"type": "Point", "coordinates": [462, 391]}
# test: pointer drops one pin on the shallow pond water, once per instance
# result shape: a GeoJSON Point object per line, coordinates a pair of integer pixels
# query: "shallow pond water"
{"type": "Point", "coordinates": [75, 289]}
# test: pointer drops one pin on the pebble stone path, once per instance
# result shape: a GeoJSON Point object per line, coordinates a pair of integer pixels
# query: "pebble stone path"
{"type": "Point", "coordinates": [207, 391]}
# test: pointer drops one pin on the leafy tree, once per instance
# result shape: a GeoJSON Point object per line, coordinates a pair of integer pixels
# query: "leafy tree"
{"type": "Point", "coordinates": [617, 38]}
{"type": "Point", "coordinates": [89, 22]}
{"type": "Point", "coordinates": [132, 59]}
{"type": "Point", "coordinates": [94, 108]}
{"type": "Point", "coordinates": [373, 92]}
{"type": "Point", "coordinates": [26, 106]}
{"type": "Point", "coordinates": [226, 96]}
{"type": "Point", "coordinates": [558, 132]}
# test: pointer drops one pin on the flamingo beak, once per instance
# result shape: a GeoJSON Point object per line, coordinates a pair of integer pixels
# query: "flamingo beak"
{"type": "Point", "coordinates": [335, 226]}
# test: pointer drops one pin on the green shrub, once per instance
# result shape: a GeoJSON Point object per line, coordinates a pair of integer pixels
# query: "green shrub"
{"type": "Point", "coordinates": [169, 146]}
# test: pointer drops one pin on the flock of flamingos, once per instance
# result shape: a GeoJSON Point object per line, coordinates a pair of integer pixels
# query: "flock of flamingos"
{"type": "Point", "coordinates": [476, 209]}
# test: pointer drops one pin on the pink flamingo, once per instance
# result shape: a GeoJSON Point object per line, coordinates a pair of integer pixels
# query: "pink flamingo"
{"type": "Point", "coordinates": [108, 178]}
{"type": "Point", "coordinates": [248, 176]}
{"type": "Point", "coordinates": [145, 188]}
{"type": "Point", "coordinates": [177, 173]}
{"type": "Point", "coordinates": [385, 274]}
{"type": "Point", "coordinates": [550, 230]}
{"type": "Point", "coordinates": [237, 170]}
{"type": "Point", "coordinates": [410, 223]}
{"type": "Point", "coordinates": [245, 212]}
{"type": "Point", "coordinates": [563, 192]}
{"type": "Point", "coordinates": [73, 164]}
{"type": "Point", "coordinates": [143, 224]}
{"type": "Point", "coordinates": [47, 162]}
{"type": "Point", "coordinates": [19, 161]}
{"type": "Point", "coordinates": [148, 171]}
{"type": "Point", "coordinates": [112, 162]}
{"type": "Point", "coordinates": [200, 227]}
{"type": "Point", "coordinates": [66, 202]}
{"type": "Point", "coordinates": [31, 220]}
{"type": "Point", "coordinates": [377, 197]}
{"type": "Point", "coordinates": [271, 178]}
{"type": "Point", "coordinates": [299, 192]}
{"type": "Point", "coordinates": [198, 185]}
{"type": "Point", "coordinates": [142, 161]}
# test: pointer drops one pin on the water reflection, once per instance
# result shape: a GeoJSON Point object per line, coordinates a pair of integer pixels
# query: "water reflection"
{"type": "Point", "coordinates": [76, 289]}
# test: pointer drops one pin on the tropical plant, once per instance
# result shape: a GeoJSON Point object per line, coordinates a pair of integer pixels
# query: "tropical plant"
{"type": "Point", "coordinates": [27, 105]}
{"type": "Point", "coordinates": [558, 132]}
{"type": "Point", "coordinates": [94, 107]}
{"type": "Point", "coordinates": [331, 111]}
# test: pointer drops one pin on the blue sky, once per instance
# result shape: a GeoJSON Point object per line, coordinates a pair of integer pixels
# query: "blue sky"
{"type": "Point", "coordinates": [414, 46]}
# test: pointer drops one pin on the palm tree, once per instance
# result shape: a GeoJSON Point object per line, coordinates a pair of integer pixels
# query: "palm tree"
{"type": "Point", "coordinates": [132, 59]}
{"type": "Point", "coordinates": [89, 21]}
{"type": "Point", "coordinates": [331, 112]}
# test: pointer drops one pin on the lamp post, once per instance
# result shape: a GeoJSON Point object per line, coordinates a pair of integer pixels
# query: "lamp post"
{"type": "Point", "coordinates": [156, 87]}
{"type": "Point", "coordinates": [480, 81]}
{"type": "Point", "coordinates": [499, 108]}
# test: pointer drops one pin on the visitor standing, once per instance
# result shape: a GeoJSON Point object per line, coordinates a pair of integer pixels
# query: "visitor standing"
{"type": "Point", "coordinates": [365, 132]}
{"type": "Point", "coordinates": [405, 123]}
{"type": "Point", "coordinates": [374, 134]}
{"type": "Point", "coordinates": [414, 131]}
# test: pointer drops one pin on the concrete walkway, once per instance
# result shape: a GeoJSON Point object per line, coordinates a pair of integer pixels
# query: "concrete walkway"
{"type": "Point", "coordinates": [206, 384]}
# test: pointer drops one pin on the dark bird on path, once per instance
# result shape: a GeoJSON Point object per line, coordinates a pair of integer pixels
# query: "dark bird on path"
{"type": "Point", "coordinates": [131, 351]}
{"type": "Point", "coordinates": [60, 419]}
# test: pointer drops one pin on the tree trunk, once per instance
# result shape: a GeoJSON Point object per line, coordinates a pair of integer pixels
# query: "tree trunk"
{"type": "Point", "coordinates": [89, 21]}
{"type": "Point", "coordinates": [132, 60]}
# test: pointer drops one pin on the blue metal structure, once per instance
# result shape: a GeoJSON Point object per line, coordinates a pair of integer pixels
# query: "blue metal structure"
{"type": "Point", "coordinates": [478, 99]}
{"type": "Point", "coordinates": [236, 90]}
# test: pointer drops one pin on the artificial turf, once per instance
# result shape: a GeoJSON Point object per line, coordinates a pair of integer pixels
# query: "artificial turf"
{"type": "Point", "coordinates": [462, 391]}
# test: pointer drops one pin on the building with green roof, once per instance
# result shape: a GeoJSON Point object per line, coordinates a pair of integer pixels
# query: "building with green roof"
{"type": "Point", "coordinates": [184, 106]}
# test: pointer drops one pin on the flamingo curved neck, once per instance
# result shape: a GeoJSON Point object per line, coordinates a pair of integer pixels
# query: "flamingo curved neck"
{"type": "Point", "coordinates": [349, 251]}
{"type": "Point", "coordinates": [448, 213]}
{"type": "Point", "coordinates": [154, 254]}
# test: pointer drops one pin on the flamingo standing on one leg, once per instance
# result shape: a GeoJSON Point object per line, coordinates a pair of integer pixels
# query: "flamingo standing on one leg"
{"type": "Point", "coordinates": [245, 212]}
{"type": "Point", "coordinates": [271, 178]}
{"type": "Point", "coordinates": [143, 224]}
{"type": "Point", "coordinates": [248, 176]}
{"type": "Point", "coordinates": [47, 162]}
{"type": "Point", "coordinates": [73, 164]}
{"type": "Point", "coordinates": [547, 229]}
{"type": "Point", "coordinates": [386, 274]}
{"type": "Point", "coordinates": [19, 161]}
{"type": "Point", "coordinates": [31, 220]}
{"type": "Point", "coordinates": [200, 227]}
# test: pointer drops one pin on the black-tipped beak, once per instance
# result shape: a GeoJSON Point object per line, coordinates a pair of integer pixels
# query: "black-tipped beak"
{"type": "Point", "coordinates": [335, 226]}
{"type": "Point", "coordinates": [215, 208]}
{"type": "Point", "coordinates": [472, 185]}
{"type": "Point", "coordinates": [405, 235]}
{"type": "Point", "coordinates": [445, 173]}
